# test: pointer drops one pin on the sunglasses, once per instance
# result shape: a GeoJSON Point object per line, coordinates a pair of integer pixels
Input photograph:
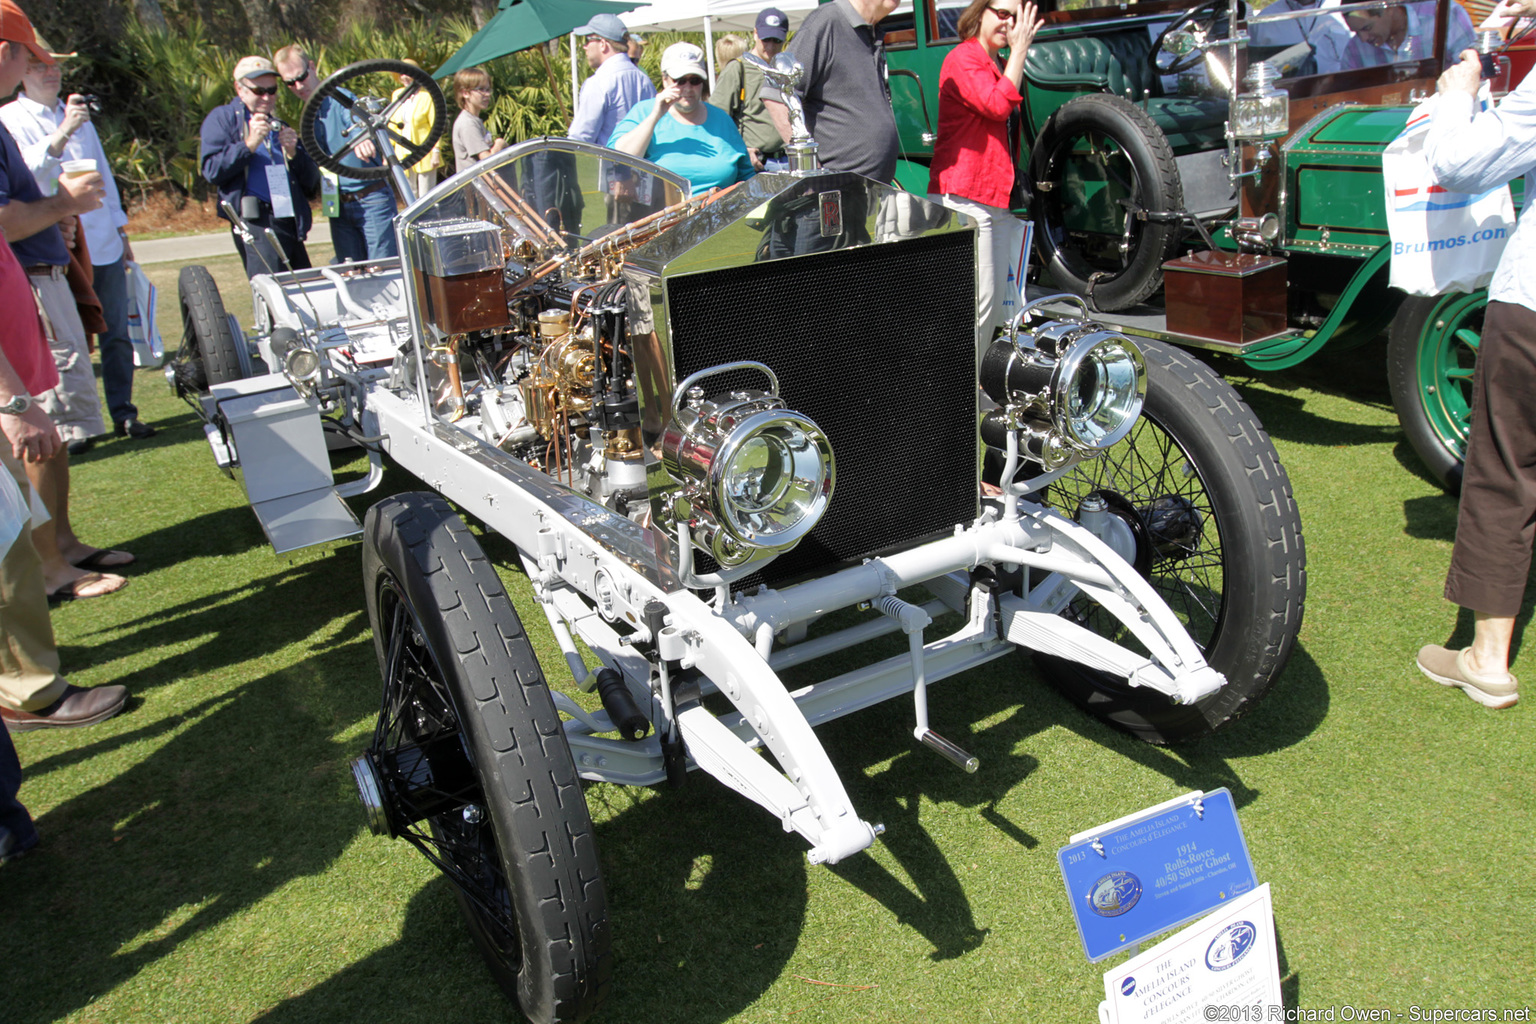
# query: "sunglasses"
{"type": "Point", "coordinates": [264, 90]}
{"type": "Point", "coordinates": [1003, 15]}
{"type": "Point", "coordinates": [291, 82]}
{"type": "Point", "coordinates": [689, 80]}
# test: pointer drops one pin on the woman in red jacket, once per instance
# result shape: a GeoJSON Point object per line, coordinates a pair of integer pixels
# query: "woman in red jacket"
{"type": "Point", "coordinates": [973, 163]}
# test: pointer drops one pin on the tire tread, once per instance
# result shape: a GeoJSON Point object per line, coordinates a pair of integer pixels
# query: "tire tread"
{"type": "Point", "coordinates": [555, 846]}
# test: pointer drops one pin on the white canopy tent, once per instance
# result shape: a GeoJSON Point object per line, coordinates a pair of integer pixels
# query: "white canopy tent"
{"type": "Point", "coordinates": [714, 16]}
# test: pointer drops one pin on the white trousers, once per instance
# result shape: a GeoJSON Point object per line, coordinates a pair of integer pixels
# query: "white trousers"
{"type": "Point", "coordinates": [1000, 262]}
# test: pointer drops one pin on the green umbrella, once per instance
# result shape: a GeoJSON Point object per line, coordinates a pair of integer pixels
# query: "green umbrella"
{"type": "Point", "coordinates": [524, 23]}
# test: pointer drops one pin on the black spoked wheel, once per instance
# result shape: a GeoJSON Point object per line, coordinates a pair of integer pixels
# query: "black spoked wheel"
{"type": "Point", "coordinates": [469, 762]}
{"type": "Point", "coordinates": [1218, 534]}
{"type": "Point", "coordinates": [356, 87]}
{"type": "Point", "coordinates": [1099, 164]}
{"type": "Point", "coordinates": [209, 353]}
{"type": "Point", "coordinates": [1431, 355]}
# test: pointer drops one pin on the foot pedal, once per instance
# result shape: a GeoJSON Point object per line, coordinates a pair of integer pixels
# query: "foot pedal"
{"type": "Point", "coordinates": [961, 759]}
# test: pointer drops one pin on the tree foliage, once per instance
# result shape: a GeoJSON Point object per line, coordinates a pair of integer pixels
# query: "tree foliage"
{"type": "Point", "coordinates": [157, 86]}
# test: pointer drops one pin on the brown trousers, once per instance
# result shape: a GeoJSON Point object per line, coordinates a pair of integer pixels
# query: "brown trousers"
{"type": "Point", "coordinates": [29, 658]}
{"type": "Point", "coordinates": [1497, 519]}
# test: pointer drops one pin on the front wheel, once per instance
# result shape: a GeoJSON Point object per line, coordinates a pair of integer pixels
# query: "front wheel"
{"type": "Point", "coordinates": [469, 762]}
{"type": "Point", "coordinates": [1431, 354]}
{"type": "Point", "coordinates": [1218, 535]}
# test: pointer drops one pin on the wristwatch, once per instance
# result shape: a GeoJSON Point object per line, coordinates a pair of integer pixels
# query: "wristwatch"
{"type": "Point", "coordinates": [17, 405]}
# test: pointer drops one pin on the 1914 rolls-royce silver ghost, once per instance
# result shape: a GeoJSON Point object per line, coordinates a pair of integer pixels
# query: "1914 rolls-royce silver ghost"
{"type": "Point", "coordinates": [719, 460]}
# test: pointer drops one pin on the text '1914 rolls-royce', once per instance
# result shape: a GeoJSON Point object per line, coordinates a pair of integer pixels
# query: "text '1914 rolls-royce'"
{"type": "Point", "coordinates": [721, 466]}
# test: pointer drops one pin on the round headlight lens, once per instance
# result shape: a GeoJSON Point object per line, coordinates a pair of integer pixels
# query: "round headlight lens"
{"type": "Point", "coordinates": [1099, 387]}
{"type": "Point", "coordinates": [772, 478]}
{"type": "Point", "coordinates": [301, 364]}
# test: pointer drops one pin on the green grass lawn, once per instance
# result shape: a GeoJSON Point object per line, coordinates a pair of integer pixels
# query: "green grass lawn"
{"type": "Point", "coordinates": [205, 859]}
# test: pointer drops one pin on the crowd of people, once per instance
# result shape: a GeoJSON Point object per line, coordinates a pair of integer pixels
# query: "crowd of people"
{"type": "Point", "coordinates": [62, 226]}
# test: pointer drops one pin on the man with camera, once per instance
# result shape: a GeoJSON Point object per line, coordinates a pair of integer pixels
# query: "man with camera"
{"type": "Point", "coordinates": [53, 133]}
{"type": "Point", "coordinates": [256, 163]}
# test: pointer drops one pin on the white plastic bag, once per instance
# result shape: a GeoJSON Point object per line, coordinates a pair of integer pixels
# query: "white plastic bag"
{"type": "Point", "coordinates": [143, 330]}
{"type": "Point", "coordinates": [1441, 241]}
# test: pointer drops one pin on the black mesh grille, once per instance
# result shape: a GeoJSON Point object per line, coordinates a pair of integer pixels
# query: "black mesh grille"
{"type": "Point", "coordinates": [876, 345]}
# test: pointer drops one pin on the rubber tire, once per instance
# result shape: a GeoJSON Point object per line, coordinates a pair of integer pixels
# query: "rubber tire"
{"type": "Point", "coordinates": [1436, 422]}
{"type": "Point", "coordinates": [415, 544]}
{"type": "Point", "coordinates": [1259, 551]}
{"type": "Point", "coordinates": [206, 332]}
{"type": "Point", "coordinates": [328, 88]}
{"type": "Point", "coordinates": [1156, 187]}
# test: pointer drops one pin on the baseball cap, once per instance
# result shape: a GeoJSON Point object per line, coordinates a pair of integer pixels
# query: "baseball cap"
{"type": "Point", "coordinates": [681, 59]}
{"type": "Point", "coordinates": [771, 24]}
{"type": "Point", "coordinates": [15, 27]}
{"type": "Point", "coordinates": [636, 37]}
{"type": "Point", "coordinates": [607, 26]}
{"type": "Point", "coordinates": [249, 67]}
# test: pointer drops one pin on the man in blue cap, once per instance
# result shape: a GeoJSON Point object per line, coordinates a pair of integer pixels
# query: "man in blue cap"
{"type": "Point", "coordinates": [615, 86]}
{"type": "Point", "coordinates": [739, 93]}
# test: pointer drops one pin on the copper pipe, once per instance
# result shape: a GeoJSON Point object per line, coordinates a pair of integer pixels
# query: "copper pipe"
{"type": "Point", "coordinates": [520, 207]}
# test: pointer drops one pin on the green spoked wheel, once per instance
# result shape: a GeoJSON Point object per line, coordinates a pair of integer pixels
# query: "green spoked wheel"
{"type": "Point", "coordinates": [1431, 355]}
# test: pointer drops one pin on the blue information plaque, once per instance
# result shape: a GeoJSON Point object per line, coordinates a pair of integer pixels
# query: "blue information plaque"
{"type": "Point", "coordinates": [1154, 870]}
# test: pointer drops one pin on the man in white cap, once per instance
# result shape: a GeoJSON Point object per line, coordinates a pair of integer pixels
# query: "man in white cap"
{"type": "Point", "coordinates": [248, 153]}
{"type": "Point", "coordinates": [615, 86]}
{"type": "Point", "coordinates": [738, 92]}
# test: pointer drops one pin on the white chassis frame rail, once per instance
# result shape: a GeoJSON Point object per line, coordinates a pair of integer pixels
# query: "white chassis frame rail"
{"type": "Point", "coordinates": [572, 549]}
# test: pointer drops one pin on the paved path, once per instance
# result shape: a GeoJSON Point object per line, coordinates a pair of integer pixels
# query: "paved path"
{"type": "Point", "coordinates": [209, 246]}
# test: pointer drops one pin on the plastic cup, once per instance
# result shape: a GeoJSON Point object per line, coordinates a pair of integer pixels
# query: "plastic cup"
{"type": "Point", "coordinates": [75, 168]}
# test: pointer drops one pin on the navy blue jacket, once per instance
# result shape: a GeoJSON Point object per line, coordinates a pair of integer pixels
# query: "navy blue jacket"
{"type": "Point", "coordinates": [225, 159]}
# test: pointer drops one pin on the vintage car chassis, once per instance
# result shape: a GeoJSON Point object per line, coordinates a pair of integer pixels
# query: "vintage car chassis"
{"type": "Point", "coordinates": [473, 745]}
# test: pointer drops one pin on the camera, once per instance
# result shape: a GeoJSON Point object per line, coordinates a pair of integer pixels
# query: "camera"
{"type": "Point", "coordinates": [92, 104]}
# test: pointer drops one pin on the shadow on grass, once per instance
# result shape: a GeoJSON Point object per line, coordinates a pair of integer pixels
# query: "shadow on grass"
{"type": "Point", "coordinates": [939, 908]}
{"type": "Point", "coordinates": [1286, 418]}
{"type": "Point", "coordinates": [1293, 709]}
{"type": "Point", "coordinates": [210, 632]}
{"type": "Point", "coordinates": [178, 844]}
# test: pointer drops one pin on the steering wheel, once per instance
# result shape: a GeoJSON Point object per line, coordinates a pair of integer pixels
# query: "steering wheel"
{"type": "Point", "coordinates": [370, 113]}
{"type": "Point", "coordinates": [1201, 21]}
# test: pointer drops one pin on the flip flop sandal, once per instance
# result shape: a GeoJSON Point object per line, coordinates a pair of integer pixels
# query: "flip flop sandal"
{"type": "Point", "coordinates": [103, 558]}
{"type": "Point", "coordinates": [71, 591]}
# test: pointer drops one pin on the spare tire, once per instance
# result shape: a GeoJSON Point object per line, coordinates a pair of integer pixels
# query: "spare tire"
{"type": "Point", "coordinates": [1098, 163]}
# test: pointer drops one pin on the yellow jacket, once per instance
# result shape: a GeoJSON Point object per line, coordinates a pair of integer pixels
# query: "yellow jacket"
{"type": "Point", "coordinates": [416, 126]}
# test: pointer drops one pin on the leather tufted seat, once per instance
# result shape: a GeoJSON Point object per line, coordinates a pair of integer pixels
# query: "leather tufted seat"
{"type": "Point", "coordinates": [1119, 63]}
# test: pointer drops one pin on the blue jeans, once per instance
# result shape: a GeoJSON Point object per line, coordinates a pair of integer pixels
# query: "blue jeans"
{"type": "Point", "coordinates": [366, 228]}
{"type": "Point", "coordinates": [14, 818]}
{"type": "Point", "coordinates": [111, 284]}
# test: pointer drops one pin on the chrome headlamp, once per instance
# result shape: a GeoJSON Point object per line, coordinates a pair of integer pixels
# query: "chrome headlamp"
{"type": "Point", "coordinates": [1067, 386]}
{"type": "Point", "coordinates": [1263, 112]}
{"type": "Point", "coordinates": [757, 476]}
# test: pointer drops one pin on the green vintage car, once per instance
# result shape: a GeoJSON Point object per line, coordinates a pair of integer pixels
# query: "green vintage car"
{"type": "Point", "coordinates": [1210, 174]}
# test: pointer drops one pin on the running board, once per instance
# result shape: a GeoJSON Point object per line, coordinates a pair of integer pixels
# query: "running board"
{"type": "Point", "coordinates": [271, 437]}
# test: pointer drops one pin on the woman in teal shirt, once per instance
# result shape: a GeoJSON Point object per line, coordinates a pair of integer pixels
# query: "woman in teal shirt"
{"type": "Point", "coordinates": [680, 131]}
